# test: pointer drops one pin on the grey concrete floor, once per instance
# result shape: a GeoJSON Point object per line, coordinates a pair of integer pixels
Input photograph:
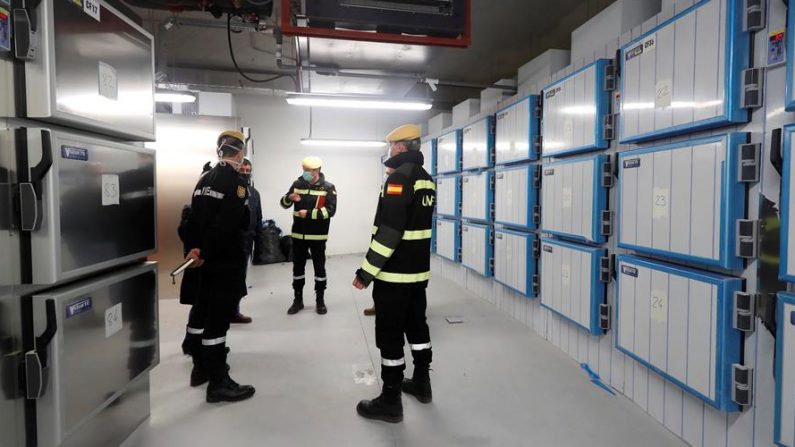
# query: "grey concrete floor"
{"type": "Point", "coordinates": [495, 382]}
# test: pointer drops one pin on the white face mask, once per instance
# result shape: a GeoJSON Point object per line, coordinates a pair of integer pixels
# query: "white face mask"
{"type": "Point", "coordinates": [233, 163]}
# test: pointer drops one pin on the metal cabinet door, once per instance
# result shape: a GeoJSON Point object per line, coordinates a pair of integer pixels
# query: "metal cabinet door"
{"type": "Point", "coordinates": [107, 337]}
{"type": "Point", "coordinates": [99, 205]}
{"type": "Point", "coordinates": [679, 322]}
{"type": "Point", "coordinates": [93, 73]}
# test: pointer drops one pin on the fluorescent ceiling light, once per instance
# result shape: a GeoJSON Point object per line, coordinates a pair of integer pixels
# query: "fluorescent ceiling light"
{"type": "Point", "coordinates": [355, 102]}
{"type": "Point", "coordinates": [174, 97]}
{"type": "Point", "coordinates": [324, 142]}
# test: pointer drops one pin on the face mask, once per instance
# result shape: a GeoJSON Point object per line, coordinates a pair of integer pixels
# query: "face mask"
{"type": "Point", "coordinates": [234, 164]}
{"type": "Point", "coordinates": [308, 176]}
{"type": "Point", "coordinates": [246, 178]}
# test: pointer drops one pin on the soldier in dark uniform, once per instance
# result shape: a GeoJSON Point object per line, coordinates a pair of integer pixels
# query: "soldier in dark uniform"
{"type": "Point", "coordinates": [314, 203]}
{"type": "Point", "coordinates": [398, 265]}
{"type": "Point", "coordinates": [218, 221]}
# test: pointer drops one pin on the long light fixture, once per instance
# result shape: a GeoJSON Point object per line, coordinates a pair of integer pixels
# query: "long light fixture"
{"type": "Point", "coordinates": [355, 102]}
{"type": "Point", "coordinates": [177, 97]}
{"type": "Point", "coordinates": [332, 142]}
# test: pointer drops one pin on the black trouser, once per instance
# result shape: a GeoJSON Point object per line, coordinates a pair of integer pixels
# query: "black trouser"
{"type": "Point", "coordinates": [301, 248]}
{"type": "Point", "coordinates": [399, 311]}
{"type": "Point", "coordinates": [209, 319]}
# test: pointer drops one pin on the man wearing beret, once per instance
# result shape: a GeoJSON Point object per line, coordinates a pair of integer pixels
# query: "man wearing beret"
{"type": "Point", "coordinates": [314, 203]}
{"type": "Point", "coordinates": [398, 266]}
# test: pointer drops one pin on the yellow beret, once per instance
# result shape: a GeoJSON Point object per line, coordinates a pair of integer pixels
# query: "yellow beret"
{"type": "Point", "coordinates": [405, 132]}
{"type": "Point", "coordinates": [237, 135]}
{"type": "Point", "coordinates": [312, 163]}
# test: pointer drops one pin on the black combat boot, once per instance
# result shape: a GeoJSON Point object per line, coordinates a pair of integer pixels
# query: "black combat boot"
{"type": "Point", "coordinates": [199, 375]}
{"type": "Point", "coordinates": [320, 303]}
{"type": "Point", "coordinates": [419, 386]}
{"type": "Point", "coordinates": [387, 407]}
{"type": "Point", "coordinates": [225, 389]}
{"type": "Point", "coordinates": [298, 302]}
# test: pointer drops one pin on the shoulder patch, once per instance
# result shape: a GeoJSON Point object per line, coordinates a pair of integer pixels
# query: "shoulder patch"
{"type": "Point", "coordinates": [394, 189]}
{"type": "Point", "coordinates": [241, 192]}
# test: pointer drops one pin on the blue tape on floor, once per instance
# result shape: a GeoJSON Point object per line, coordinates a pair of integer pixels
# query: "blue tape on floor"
{"type": "Point", "coordinates": [596, 380]}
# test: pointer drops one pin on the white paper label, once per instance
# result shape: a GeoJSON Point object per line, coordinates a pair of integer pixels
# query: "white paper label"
{"type": "Point", "coordinates": [659, 306]}
{"type": "Point", "coordinates": [108, 81]}
{"type": "Point", "coordinates": [113, 320]}
{"type": "Point", "coordinates": [664, 93]}
{"type": "Point", "coordinates": [92, 8]}
{"type": "Point", "coordinates": [566, 199]}
{"type": "Point", "coordinates": [661, 203]}
{"type": "Point", "coordinates": [565, 274]}
{"type": "Point", "coordinates": [110, 189]}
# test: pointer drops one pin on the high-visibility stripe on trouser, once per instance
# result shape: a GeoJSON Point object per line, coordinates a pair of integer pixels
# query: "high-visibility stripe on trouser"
{"type": "Point", "coordinates": [390, 362]}
{"type": "Point", "coordinates": [194, 331]}
{"type": "Point", "coordinates": [421, 347]}
{"type": "Point", "coordinates": [310, 237]}
{"type": "Point", "coordinates": [320, 279]}
{"type": "Point", "coordinates": [295, 278]}
{"type": "Point", "coordinates": [401, 278]}
{"type": "Point", "coordinates": [214, 341]}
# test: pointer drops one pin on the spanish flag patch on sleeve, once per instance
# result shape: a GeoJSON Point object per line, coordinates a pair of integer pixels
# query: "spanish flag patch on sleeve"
{"type": "Point", "coordinates": [394, 190]}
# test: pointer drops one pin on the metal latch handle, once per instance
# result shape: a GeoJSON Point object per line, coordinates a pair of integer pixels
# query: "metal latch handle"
{"type": "Point", "coordinates": [36, 371]}
{"type": "Point", "coordinates": [30, 193]}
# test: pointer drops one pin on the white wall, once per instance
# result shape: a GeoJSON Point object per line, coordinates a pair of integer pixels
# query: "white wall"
{"type": "Point", "coordinates": [617, 18]}
{"type": "Point", "coordinates": [277, 128]}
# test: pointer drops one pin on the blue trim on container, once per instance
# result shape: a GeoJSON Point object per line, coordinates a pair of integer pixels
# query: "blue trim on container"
{"type": "Point", "coordinates": [456, 239]}
{"type": "Point", "coordinates": [789, 98]}
{"type": "Point", "coordinates": [599, 201]}
{"type": "Point", "coordinates": [602, 102]}
{"type": "Point", "coordinates": [489, 248]}
{"type": "Point", "coordinates": [534, 131]}
{"type": "Point", "coordinates": [458, 151]}
{"type": "Point", "coordinates": [786, 185]}
{"type": "Point", "coordinates": [732, 207]}
{"type": "Point", "coordinates": [735, 59]}
{"type": "Point", "coordinates": [784, 298]}
{"type": "Point", "coordinates": [490, 144]}
{"type": "Point", "coordinates": [728, 339]}
{"type": "Point", "coordinates": [532, 196]}
{"type": "Point", "coordinates": [598, 293]}
{"type": "Point", "coordinates": [531, 265]}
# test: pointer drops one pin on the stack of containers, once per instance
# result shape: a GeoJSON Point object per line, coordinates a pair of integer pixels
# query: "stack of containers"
{"type": "Point", "coordinates": [575, 220]}
{"type": "Point", "coordinates": [516, 195]}
{"type": "Point", "coordinates": [447, 228]}
{"type": "Point", "coordinates": [684, 202]}
{"type": "Point", "coordinates": [428, 149]}
{"type": "Point", "coordinates": [477, 186]}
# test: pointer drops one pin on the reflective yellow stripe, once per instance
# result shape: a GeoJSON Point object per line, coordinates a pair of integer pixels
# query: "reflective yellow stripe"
{"type": "Point", "coordinates": [301, 191]}
{"type": "Point", "coordinates": [370, 268]}
{"type": "Point", "coordinates": [296, 214]}
{"type": "Point", "coordinates": [403, 278]}
{"type": "Point", "coordinates": [316, 237]}
{"type": "Point", "coordinates": [318, 193]}
{"type": "Point", "coordinates": [325, 212]}
{"type": "Point", "coordinates": [417, 235]}
{"type": "Point", "coordinates": [424, 184]}
{"type": "Point", "coordinates": [381, 249]}
{"type": "Point", "coordinates": [375, 230]}
{"type": "Point", "coordinates": [309, 237]}
{"type": "Point", "coordinates": [314, 213]}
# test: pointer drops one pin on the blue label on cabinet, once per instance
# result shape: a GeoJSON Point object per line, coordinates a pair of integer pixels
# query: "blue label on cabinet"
{"type": "Point", "coordinates": [74, 153]}
{"type": "Point", "coordinates": [78, 307]}
{"type": "Point", "coordinates": [632, 163]}
{"type": "Point", "coordinates": [548, 248]}
{"type": "Point", "coordinates": [549, 172]}
{"type": "Point", "coordinates": [631, 271]}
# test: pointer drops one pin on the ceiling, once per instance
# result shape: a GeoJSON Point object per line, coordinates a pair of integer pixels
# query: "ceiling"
{"type": "Point", "coordinates": [505, 35]}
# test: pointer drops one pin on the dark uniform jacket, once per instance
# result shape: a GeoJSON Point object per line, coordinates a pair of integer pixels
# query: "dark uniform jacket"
{"type": "Point", "coordinates": [218, 222]}
{"type": "Point", "coordinates": [255, 221]}
{"type": "Point", "coordinates": [320, 201]}
{"type": "Point", "coordinates": [400, 250]}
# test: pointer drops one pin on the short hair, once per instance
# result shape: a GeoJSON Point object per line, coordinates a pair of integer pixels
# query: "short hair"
{"type": "Point", "coordinates": [412, 145]}
{"type": "Point", "coordinates": [246, 162]}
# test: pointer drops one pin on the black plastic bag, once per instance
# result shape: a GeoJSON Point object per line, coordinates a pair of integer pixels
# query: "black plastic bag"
{"type": "Point", "coordinates": [267, 247]}
{"type": "Point", "coordinates": [286, 243]}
